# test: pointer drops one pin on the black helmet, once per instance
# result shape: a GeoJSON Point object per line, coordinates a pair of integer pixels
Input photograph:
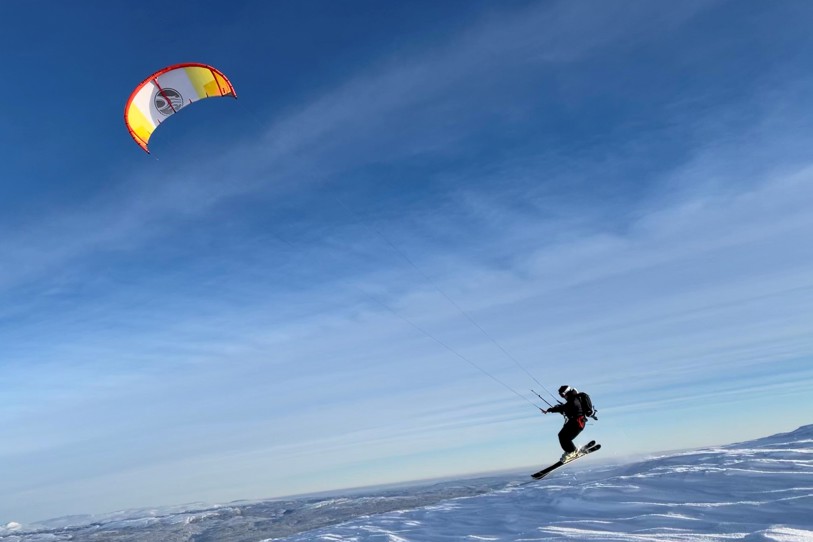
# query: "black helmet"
{"type": "Point", "coordinates": [565, 390]}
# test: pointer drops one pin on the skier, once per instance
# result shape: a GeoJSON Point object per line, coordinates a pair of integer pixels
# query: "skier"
{"type": "Point", "coordinates": [574, 413]}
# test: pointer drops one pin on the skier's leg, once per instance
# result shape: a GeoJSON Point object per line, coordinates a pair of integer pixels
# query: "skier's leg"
{"type": "Point", "coordinates": [566, 436]}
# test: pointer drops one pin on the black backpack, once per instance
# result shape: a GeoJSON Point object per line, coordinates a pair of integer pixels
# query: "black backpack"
{"type": "Point", "coordinates": [587, 406]}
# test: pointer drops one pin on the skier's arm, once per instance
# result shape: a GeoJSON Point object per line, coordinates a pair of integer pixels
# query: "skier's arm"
{"type": "Point", "coordinates": [557, 408]}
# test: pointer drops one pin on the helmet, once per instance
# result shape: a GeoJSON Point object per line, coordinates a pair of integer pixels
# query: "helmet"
{"type": "Point", "coordinates": [565, 390]}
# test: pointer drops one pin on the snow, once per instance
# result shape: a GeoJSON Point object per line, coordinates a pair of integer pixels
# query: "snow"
{"type": "Point", "coordinates": [758, 491]}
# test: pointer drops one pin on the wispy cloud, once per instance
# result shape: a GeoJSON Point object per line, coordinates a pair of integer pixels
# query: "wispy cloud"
{"type": "Point", "coordinates": [422, 102]}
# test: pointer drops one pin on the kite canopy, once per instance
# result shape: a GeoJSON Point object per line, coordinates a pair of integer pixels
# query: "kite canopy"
{"type": "Point", "coordinates": [166, 92]}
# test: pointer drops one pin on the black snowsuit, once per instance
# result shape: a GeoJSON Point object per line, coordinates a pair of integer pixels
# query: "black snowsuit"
{"type": "Point", "coordinates": [572, 409]}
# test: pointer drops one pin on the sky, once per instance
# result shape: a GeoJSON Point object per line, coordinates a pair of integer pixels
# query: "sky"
{"type": "Point", "coordinates": [413, 214]}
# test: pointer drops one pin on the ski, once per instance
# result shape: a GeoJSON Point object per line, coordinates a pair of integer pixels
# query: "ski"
{"type": "Point", "coordinates": [588, 448]}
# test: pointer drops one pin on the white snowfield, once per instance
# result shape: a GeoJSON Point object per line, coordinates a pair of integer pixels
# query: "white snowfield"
{"type": "Point", "coordinates": [759, 491]}
{"type": "Point", "coordinates": [756, 491]}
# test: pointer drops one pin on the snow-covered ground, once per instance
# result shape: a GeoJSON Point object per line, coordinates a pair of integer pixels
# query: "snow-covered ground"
{"type": "Point", "coordinates": [760, 490]}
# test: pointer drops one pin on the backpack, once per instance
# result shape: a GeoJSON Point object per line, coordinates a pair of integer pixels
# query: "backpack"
{"type": "Point", "coordinates": [587, 406]}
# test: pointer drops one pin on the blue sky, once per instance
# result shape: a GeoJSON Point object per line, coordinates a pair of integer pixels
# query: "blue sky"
{"type": "Point", "coordinates": [296, 290]}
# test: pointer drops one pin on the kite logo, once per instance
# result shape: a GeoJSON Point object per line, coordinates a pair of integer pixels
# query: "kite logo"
{"type": "Point", "coordinates": [168, 101]}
